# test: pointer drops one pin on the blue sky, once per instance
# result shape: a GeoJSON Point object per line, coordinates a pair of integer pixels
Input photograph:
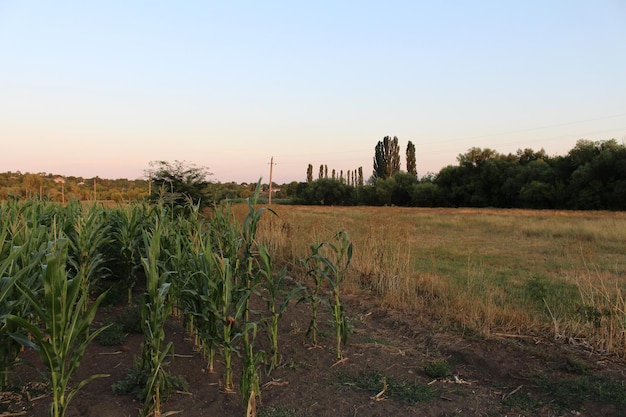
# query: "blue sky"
{"type": "Point", "coordinates": [101, 88]}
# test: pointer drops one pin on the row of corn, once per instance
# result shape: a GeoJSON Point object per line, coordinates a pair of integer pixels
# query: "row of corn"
{"type": "Point", "coordinates": [56, 263]}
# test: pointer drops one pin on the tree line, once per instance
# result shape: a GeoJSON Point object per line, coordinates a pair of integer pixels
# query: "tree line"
{"type": "Point", "coordinates": [591, 176]}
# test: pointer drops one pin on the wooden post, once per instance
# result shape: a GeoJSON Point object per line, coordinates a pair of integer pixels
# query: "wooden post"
{"type": "Point", "coordinates": [271, 166]}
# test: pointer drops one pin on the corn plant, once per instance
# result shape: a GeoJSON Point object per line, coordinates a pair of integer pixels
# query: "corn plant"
{"type": "Point", "coordinates": [61, 341]}
{"type": "Point", "coordinates": [231, 309]}
{"type": "Point", "coordinates": [252, 361]}
{"type": "Point", "coordinates": [156, 309]}
{"type": "Point", "coordinates": [331, 269]}
{"type": "Point", "coordinates": [125, 247]}
{"type": "Point", "coordinates": [9, 348]}
{"type": "Point", "coordinates": [338, 268]}
{"type": "Point", "coordinates": [274, 284]}
{"type": "Point", "coordinates": [200, 301]}
{"type": "Point", "coordinates": [88, 238]}
{"type": "Point", "coordinates": [22, 250]}
{"type": "Point", "coordinates": [251, 221]}
{"type": "Point", "coordinates": [313, 266]}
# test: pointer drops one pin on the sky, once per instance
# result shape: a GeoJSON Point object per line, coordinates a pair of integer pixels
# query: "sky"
{"type": "Point", "coordinates": [101, 88]}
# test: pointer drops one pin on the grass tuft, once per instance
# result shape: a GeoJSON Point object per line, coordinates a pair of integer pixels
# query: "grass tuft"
{"type": "Point", "coordinates": [408, 392]}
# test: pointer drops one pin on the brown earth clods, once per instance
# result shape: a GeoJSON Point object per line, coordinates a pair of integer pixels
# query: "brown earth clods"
{"type": "Point", "coordinates": [501, 375]}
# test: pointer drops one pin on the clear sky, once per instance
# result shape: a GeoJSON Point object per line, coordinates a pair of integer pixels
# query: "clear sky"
{"type": "Point", "coordinates": [101, 88]}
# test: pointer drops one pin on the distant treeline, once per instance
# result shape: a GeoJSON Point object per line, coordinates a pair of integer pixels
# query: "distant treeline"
{"type": "Point", "coordinates": [592, 176]}
{"type": "Point", "coordinates": [52, 187]}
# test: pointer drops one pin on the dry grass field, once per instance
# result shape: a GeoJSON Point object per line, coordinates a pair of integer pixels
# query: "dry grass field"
{"type": "Point", "coordinates": [520, 272]}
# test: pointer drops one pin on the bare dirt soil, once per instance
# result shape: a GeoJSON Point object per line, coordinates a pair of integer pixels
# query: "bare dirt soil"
{"type": "Point", "coordinates": [394, 364]}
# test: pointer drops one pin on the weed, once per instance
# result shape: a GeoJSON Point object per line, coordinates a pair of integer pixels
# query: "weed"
{"type": "Point", "coordinates": [278, 412]}
{"type": "Point", "coordinates": [130, 320]}
{"type": "Point", "coordinates": [376, 340]}
{"type": "Point", "coordinates": [437, 369]}
{"type": "Point", "coordinates": [294, 366]}
{"type": "Point", "coordinates": [575, 365]}
{"type": "Point", "coordinates": [566, 394]}
{"type": "Point", "coordinates": [522, 400]}
{"type": "Point", "coordinates": [571, 393]}
{"type": "Point", "coordinates": [113, 335]}
{"type": "Point", "coordinates": [408, 392]}
{"type": "Point", "coordinates": [136, 380]}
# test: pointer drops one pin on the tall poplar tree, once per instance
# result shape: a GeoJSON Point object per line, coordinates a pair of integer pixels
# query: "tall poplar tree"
{"type": "Point", "coordinates": [386, 158]}
{"type": "Point", "coordinates": [309, 174]}
{"type": "Point", "coordinates": [411, 164]}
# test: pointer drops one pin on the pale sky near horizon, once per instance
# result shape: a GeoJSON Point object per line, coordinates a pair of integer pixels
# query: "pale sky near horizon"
{"type": "Point", "coordinates": [101, 88]}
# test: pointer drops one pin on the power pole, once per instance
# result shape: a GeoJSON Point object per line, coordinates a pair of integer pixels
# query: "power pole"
{"type": "Point", "coordinates": [271, 169]}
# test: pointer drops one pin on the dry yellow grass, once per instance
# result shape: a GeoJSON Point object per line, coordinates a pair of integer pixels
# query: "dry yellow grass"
{"type": "Point", "coordinates": [488, 270]}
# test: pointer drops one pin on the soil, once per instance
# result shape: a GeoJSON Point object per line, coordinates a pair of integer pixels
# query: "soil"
{"type": "Point", "coordinates": [499, 375]}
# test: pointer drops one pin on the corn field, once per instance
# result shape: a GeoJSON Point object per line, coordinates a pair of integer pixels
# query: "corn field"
{"type": "Point", "coordinates": [58, 264]}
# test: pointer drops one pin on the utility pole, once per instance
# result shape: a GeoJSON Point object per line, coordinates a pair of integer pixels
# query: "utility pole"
{"type": "Point", "coordinates": [271, 169]}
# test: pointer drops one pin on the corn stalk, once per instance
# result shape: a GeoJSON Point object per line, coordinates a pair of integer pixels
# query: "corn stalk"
{"type": "Point", "coordinates": [343, 256]}
{"type": "Point", "coordinates": [65, 316]}
{"type": "Point", "coordinates": [155, 311]}
{"type": "Point", "coordinates": [331, 269]}
{"type": "Point", "coordinates": [88, 238]}
{"type": "Point", "coordinates": [274, 284]}
{"type": "Point", "coordinates": [313, 265]}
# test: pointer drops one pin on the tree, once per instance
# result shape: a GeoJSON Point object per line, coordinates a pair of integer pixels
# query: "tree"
{"type": "Point", "coordinates": [386, 158]}
{"type": "Point", "coordinates": [527, 155]}
{"type": "Point", "coordinates": [32, 184]}
{"type": "Point", "coordinates": [403, 188]}
{"type": "Point", "coordinates": [309, 174]}
{"type": "Point", "coordinates": [328, 192]}
{"type": "Point", "coordinates": [411, 164]}
{"type": "Point", "coordinates": [180, 182]}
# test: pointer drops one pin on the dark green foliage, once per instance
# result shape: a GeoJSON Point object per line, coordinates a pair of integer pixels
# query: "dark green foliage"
{"type": "Point", "coordinates": [411, 162]}
{"type": "Point", "coordinates": [437, 369]}
{"type": "Point", "coordinates": [386, 158]}
{"type": "Point", "coordinates": [130, 320]}
{"type": "Point", "coordinates": [113, 335]}
{"type": "Point", "coordinates": [591, 176]}
{"type": "Point", "coordinates": [180, 183]}
{"type": "Point", "coordinates": [327, 192]}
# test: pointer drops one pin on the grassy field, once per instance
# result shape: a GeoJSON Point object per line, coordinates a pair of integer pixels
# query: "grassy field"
{"type": "Point", "coordinates": [522, 272]}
